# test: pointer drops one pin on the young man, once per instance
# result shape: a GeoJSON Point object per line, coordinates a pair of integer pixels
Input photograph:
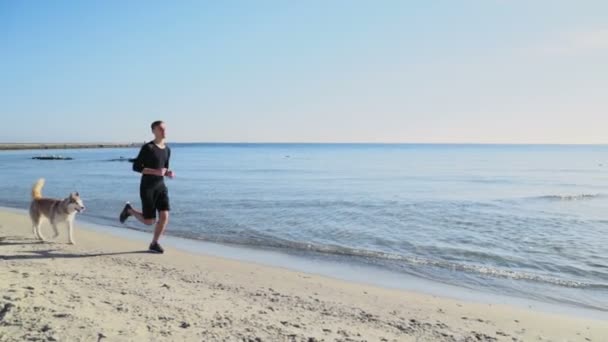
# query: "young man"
{"type": "Point", "coordinates": [153, 164]}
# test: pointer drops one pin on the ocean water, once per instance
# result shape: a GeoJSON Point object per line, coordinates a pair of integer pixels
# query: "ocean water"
{"type": "Point", "coordinates": [529, 221]}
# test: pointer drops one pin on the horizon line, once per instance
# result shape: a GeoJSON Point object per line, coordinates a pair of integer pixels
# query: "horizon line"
{"type": "Point", "coordinates": [313, 143]}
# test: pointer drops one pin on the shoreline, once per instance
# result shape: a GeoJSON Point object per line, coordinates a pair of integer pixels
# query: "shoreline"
{"type": "Point", "coordinates": [107, 286]}
{"type": "Point", "coordinates": [335, 267]}
{"type": "Point", "coordinates": [62, 146]}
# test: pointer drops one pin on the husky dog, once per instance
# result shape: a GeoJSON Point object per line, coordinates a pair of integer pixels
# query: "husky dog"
{"type": "Point", "coordinates": [55, 210]}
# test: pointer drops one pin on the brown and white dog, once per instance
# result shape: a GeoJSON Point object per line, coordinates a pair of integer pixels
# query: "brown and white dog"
{"type": "Point", "coordinates": [55, 210]}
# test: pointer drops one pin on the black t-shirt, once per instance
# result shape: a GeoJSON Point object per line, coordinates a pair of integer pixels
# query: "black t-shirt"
{"type": "Point", "coordinates": [152, 157]}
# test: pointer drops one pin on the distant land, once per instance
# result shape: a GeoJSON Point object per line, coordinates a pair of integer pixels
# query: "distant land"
{"type": "Point", "coordinates": [55, 146]}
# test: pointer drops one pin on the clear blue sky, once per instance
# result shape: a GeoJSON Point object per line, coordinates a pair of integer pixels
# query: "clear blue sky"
{"type": "Point", "coordinates": [495, 71]}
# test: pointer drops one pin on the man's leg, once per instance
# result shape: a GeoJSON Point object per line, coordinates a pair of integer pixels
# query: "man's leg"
{"type": "Point", "coordinates": [148, 214]}
{"type": "Point", "coordinates": [140, 217]}
{"type": "Point", "coordinates": [163, 219]}
{"type": "Point", "coordinates": [161, 203]}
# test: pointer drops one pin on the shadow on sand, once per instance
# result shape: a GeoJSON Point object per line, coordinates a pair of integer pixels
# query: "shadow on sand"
{"type": "Point", "coordinates": [49, 253]}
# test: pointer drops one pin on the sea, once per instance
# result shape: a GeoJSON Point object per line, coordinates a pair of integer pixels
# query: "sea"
{"type": "Point", "coordinates": [525, 221]}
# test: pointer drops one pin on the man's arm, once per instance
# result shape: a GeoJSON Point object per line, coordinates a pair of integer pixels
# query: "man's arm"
{"type": "Point", "coordinates": [168, 157]}
{"type": "Point", "coordinates": [143, 158]}
{"type": "Point", "coordinates": [168, 173]}
{"type": "Point", "coordinates": [138, 163]}
{"type": "Point", "coordinates": [154, 172]}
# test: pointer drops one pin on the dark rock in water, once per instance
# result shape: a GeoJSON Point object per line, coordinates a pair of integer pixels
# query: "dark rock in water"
{"type": "Point", "coordinates": [52, 158]}
{"type": "Point", "coordinates": [122, 159]}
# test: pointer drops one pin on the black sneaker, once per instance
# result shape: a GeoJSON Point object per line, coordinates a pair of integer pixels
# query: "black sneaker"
{"type": "Point", "coordinates": [124, 214]}
{"type": "Point", "coordinates": [156, 248]}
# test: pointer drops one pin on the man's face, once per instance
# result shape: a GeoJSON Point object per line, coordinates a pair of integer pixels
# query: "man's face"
{"type": "Point", "coordinates": [159, 131]}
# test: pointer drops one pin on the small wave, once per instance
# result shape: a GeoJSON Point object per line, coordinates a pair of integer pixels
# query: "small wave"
{"type": "Point", "coordinates": [579, 197]}
{"type": "Point", "coordinates": [378, 258]}
{"type": "Point", "coordinates": [382, 257]}
{"type": "Point", "coordinates": [386, 259]}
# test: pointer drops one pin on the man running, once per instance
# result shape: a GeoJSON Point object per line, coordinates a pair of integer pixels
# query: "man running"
{"type": "Point", "coordinates": [153, 164]}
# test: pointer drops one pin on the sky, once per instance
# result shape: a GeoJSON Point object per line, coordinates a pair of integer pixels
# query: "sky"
{"type": "Point", "coordinates": [485, 71]}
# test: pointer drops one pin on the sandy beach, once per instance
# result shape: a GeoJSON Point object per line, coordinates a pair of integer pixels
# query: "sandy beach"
{"type": "Point", "coordinates": [106, 288]}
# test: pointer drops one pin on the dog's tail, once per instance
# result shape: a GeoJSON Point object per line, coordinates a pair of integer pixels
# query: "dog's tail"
{"type": "Point", "coordinates": [37, 189]}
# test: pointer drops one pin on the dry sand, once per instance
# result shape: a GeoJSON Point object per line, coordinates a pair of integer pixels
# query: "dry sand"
{"type": "Point", "coordinates": [107, 289]}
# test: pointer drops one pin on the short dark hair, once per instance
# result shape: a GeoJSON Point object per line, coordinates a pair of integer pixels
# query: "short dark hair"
{"type": "Point", "coordinates": [156, 124]}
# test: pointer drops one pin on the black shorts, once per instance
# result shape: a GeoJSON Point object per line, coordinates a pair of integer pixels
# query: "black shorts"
{"type": "Point", "coordinates": [154, 199]}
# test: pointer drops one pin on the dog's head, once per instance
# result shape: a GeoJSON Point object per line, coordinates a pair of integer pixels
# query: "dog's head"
{"type": "Point", "coordinates": [75, 203]}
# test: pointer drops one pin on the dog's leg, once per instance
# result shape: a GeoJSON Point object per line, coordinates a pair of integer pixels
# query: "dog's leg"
{"type": "Point", "coordinates": [35, 224]}
{"type": "Point", "coordinates": [39, 233]}
{"type": "Point", "coordinates": [35, 228]}
{"type": "Point", "coordinates": [56, 231]}
{"type": "Point", "coordinates": [71, 229]}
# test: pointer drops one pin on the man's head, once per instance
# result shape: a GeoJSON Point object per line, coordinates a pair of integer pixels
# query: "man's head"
{"type": "Point", "coordinates": [158, 128]}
